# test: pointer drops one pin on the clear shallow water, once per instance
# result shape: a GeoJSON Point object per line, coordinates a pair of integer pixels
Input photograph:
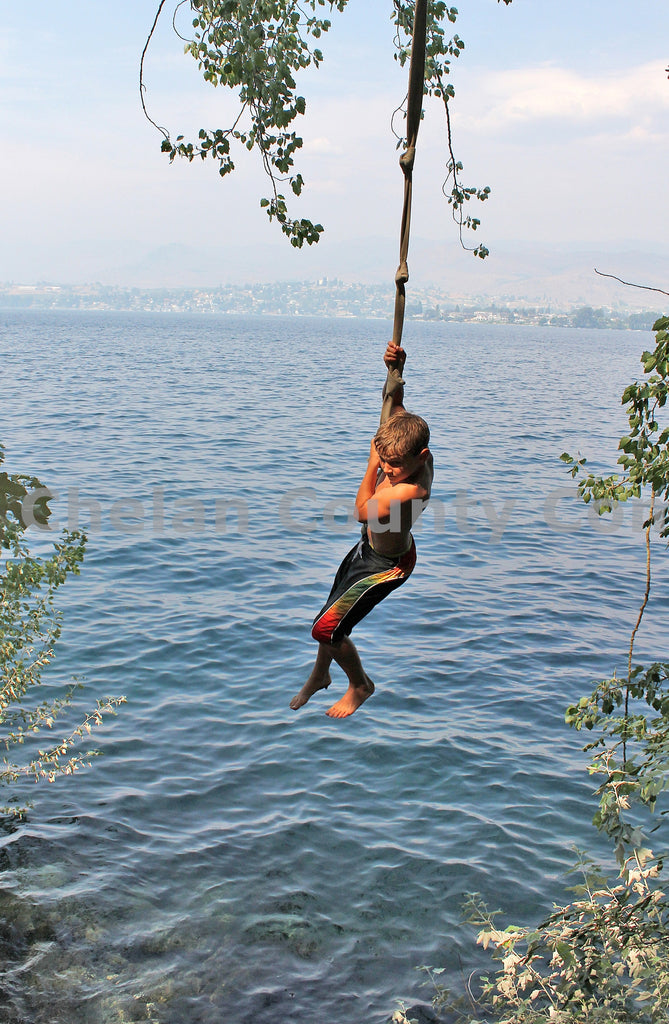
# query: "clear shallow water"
{"type": "Point", "coordinates": [227, 858]}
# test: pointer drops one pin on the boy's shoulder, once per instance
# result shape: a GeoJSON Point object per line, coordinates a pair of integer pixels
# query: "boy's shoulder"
{"type": "Point", "coordinates": [407, 491]}
{"type": "Point", "coordinates": [424, 478]}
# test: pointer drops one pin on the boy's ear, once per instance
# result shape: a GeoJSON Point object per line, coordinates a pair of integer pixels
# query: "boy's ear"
{"type": "Point", "coordinates": [424, 455]}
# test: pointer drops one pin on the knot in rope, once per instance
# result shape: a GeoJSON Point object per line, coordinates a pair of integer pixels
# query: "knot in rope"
{"type": "Point", "coordinates": [402, 273]}
{"type": "Point", "coordinates": [407, 159]}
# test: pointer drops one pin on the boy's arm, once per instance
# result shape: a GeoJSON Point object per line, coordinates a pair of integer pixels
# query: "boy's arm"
{"type": "Point", "coordinates": [370, 503]}
{"type": "Point", "coordinates": [368, 484]}
{"type": "Point", "coordinates": [393, 389]}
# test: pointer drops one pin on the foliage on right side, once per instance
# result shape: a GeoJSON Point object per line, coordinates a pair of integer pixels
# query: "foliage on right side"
{"type": "Point", "coordinates": [603, 957]}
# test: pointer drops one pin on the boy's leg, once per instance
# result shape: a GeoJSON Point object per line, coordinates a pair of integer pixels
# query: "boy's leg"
{"type": "Point", "coordinates": [363, 579]}
{"type": "Point", "coordinates": [360, 686]}
{"type": "Point", "coordinates": [319, 678]}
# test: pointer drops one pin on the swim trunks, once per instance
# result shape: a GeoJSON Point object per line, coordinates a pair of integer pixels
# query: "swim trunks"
{"type": "Point", "coordinates": [363, 579]}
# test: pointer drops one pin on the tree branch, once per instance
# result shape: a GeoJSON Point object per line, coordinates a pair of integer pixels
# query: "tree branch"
{"type": "Point", "coordinates": [630, 284]}
{"type": "Point", "coordinates": [642, 609]}
{"type": "Point", "coordinates": [142, 87]}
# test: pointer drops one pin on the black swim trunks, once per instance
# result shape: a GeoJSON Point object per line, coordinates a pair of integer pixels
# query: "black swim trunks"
{"type": "Point", "coordinates": [363, 579]}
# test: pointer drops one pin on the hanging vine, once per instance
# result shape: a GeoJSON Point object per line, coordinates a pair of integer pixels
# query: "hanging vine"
{"type": "Point", "coordinates": [440, 51]}
{"type": "Point", "coordinates": [257, 47]}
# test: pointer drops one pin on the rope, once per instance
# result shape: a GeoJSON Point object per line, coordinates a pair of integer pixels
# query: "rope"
{"type": "Point", "coordinates": [414, 111]}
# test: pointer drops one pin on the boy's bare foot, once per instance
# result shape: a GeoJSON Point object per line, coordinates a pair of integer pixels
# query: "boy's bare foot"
{"type": "Point", "coordinates": [352, 699]}
{"type": "Point", "coordinates": [311, 687]}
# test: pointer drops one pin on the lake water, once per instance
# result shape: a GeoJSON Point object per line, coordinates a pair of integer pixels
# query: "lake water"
{"type": "Point", "coordinates": [227, 858]}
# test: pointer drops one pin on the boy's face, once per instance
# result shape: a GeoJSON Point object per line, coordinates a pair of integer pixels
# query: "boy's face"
{"type": "Point", "coordinates": [398, 470]}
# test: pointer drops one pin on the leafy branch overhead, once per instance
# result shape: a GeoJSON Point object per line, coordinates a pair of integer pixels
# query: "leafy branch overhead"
{"type": "Point", "coordinates": [258, 47]}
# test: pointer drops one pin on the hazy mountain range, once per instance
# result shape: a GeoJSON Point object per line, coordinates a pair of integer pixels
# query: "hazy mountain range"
{"type": "Point", "coordinates": [554, 276]}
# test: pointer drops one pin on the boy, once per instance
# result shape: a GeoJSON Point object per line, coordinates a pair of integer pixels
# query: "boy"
{"type": "Point", "coordinates": [393, 493]}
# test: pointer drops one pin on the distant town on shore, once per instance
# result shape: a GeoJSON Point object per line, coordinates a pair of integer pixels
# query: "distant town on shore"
{"type": "Point", "coordinates": [327, 297]}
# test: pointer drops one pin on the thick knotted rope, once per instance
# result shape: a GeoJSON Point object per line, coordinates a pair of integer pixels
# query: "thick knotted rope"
{"type": "Point", "coordinates": [414, 111]}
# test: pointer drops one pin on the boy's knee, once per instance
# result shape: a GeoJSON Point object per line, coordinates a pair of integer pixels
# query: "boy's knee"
{"type": "Point", "coordinates": [320, 634]}
{"type": "Point", "coordinates": [324, 635]}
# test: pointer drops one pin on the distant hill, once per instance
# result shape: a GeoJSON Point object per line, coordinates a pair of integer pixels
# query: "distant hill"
{"type": "Point", "coordinates": [514, 274]}
{"type": "Point", "coordinates": [327, 297]}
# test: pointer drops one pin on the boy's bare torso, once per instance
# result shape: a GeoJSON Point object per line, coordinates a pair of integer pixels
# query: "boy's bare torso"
{"type": "Point", "coordinates": [393, 537]}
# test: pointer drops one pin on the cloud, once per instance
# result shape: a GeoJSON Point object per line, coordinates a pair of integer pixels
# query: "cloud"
{"type": "Point", "coordinates": [549, 94]}
{"type": "Point", "coordinates": [329, 187]}
{"type": "Point", "coordinates": [322, 147]}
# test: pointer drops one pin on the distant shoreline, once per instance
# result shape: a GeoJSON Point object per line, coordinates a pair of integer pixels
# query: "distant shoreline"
{"type": "Point", "coordinates": [325, 298]}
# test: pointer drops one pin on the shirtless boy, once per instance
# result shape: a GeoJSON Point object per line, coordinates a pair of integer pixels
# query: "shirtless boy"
{"type": "Point", "coordinates": [393, 493]}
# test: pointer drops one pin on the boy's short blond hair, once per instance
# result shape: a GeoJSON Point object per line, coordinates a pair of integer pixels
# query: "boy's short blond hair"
{"type": "Point", "coordinates": [402, 435]}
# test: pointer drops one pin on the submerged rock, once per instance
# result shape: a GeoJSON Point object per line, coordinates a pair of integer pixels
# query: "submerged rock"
{"type": "Point", "coordinates": [419, 1014]}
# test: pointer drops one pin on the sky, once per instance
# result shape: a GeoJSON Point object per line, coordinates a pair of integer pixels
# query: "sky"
{"type": "Point", "coordinates": [561, 108]}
